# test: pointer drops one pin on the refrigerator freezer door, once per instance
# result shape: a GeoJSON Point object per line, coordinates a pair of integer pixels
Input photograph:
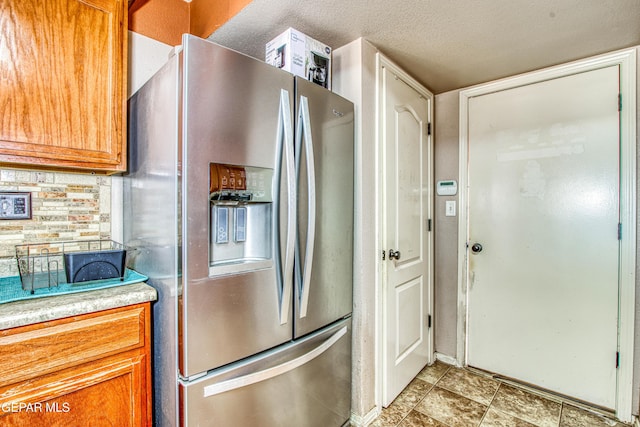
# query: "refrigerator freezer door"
{"type": "Point", "coordinates": [324, 252]}
{"type": "Point", "coordinates": [303, 384]}
{"type": "Point", "coordinates": [236, 112]}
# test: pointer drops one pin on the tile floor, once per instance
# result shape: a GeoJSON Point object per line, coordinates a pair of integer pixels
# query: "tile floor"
{"type": "Point", "coordinates": [445, 396]}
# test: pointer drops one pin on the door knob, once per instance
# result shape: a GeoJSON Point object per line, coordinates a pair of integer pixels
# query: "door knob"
{"type": "Point", "coordinates": [394, 254]}
{"type": "Point", "coordinates": [477, 247]}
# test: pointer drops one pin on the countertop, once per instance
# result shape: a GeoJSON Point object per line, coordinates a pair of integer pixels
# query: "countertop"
{"type": "Point", "coordinates": [20, 313]}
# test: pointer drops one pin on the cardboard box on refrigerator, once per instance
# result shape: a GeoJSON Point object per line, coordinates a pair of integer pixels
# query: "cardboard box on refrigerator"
{"type": "Point", "coordinates": [301, 55]}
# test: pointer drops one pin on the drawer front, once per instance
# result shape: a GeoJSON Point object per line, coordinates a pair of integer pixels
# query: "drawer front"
{"type": "Point", "coordinates": [30, 352]}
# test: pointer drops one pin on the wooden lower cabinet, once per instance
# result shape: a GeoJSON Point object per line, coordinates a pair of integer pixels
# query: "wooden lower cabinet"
{"type": "Point", "coordinates": [89, 370]}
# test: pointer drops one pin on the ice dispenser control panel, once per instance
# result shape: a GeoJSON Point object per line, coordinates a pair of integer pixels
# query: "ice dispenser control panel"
{"type": "Point", "coordinates": [240, 183]}
{"type": "Point", "coordinates": [241, 217]}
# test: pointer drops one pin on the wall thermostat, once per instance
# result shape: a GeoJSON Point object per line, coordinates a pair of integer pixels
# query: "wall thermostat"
{"type": "Point", "coordinates": [447, 188]}
{"type": "Point", "coordinates": [15, 205]}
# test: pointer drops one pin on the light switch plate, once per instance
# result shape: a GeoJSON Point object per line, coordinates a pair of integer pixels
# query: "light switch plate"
{"type": "Point", "coordinates": [14, 205]}
{"type": "Point", "coordinates": [450, 208]}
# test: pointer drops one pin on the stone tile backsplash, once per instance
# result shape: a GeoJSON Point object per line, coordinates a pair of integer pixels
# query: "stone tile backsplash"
{"type": "Point", "coordinates": [65, 206]}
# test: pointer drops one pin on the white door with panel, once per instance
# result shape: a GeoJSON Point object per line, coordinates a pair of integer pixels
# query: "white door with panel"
{"type": "Point", "coordinates": [406, 181]}
{"type": "Point", "coordinates": [543, 200]}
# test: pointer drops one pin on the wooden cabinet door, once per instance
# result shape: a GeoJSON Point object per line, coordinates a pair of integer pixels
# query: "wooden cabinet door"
{"type": "Point", "coordinates": [62, 83]}
{"type": "Point", "coordinates": [88, 370]}
{"type": "Point", "coordinates": [106, 393]}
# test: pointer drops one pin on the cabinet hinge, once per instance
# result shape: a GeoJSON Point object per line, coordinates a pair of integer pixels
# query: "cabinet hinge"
{"type": "Point", "coordinates": [617, 359]}
{"type": "Point", "coordinates": [429, 224]}
{"type": "Point", "coordinates": [619, 231]}
{"type": "Point", "coordinates": [429, 128]}
{"type": "Point", "coordinates": [429, 321]}
{"type": "Point", "coordinates": [384, 255]}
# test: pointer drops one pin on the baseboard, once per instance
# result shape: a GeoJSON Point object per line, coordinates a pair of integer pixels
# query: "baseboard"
{"type": "Point", "coordinates": [448, 360]}
{"type": "Point", "coordinates": [358, 421]}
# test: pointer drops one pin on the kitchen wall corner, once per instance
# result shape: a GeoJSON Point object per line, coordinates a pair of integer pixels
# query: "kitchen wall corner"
{"type": "Point", "coordinates": [146, 56]}
{"type": "Point", "coordinates": [446, 227]}
{"type": "Point", "coordinates": [354, 77]}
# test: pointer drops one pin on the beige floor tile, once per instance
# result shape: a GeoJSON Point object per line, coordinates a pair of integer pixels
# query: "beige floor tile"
{"type": "Point", "coordinates": [527, 406]}
{"type": "Point", "coordinates": [462, 398]}
{"type": "Point", "coordinates": [417, 419]}
{"type": "Point", "coordinates": [413, 393]}
{"type": "Point", "coordinates": [495, 418]}
{"type": "Point", "coordinates": [576, 417]}
{"type": "Point", "coordinates": [475, 387]}
{"type": "Point", "coordinates": [451, 409]}
{"type": "Point", "coordinates": [434, 372]}
{"type": "Point", "coordinates": [392, 415]}
{"type": "Point", "coordinates": [380, 422]}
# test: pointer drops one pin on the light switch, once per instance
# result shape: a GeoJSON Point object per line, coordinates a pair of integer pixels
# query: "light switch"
{"type": "Point", "coordinates": [450, 208]}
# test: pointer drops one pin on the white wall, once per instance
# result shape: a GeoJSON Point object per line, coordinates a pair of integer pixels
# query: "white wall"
{"type": "Point", "coordinates": [354, 77]}
{"type": "Point", "coordinates": [446, 137]}
{"type": "Point", "coordinates": [146, 56]}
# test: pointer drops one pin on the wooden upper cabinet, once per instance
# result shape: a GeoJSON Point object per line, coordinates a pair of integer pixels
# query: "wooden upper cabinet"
{"type": "Point", "coordinates": [63, 70]}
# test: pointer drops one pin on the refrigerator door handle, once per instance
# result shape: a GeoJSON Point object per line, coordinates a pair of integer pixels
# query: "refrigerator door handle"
{"type": "Point", "coordinates": [285, 129]}
{"type": "Point", "coordinates": [304, 130]}
{"type": "Point", "coordinates": [283, 368]}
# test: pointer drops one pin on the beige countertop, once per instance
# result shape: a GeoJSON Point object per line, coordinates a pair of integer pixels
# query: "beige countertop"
{"type": "Point", "coordinates": [26, 312]}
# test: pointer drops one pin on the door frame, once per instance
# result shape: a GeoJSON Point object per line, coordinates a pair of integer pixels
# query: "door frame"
{"type": "Point", "coordinates": [626, 60]}
{"type": "Point", "coordinates": [380, 226]}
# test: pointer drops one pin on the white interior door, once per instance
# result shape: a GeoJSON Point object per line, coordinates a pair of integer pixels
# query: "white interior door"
{"type": "Point", "coordinates": [543, 203]}
{"type": "Point", "coordinates": [407, 240]}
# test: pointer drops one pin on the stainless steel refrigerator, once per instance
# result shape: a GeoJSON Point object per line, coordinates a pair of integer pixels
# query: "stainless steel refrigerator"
{"type": "Point", "coordinates": [239, 202]}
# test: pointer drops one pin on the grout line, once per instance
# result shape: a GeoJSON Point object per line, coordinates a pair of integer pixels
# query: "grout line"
{"type": "Point", "coordinates": [483, 416]}
{"type": "Point", "coordinates": [532, 392]}
{"type": "Point", "coordinates": [560, 414]}
{"type": "Point", "coordinates": [443, 374]}
{"type": "Point", "coordinates": [412, 408]}
{"type": "Point", "coordinates": [435, 384]}
{"type": "Point", "coordinates": [490, 403]}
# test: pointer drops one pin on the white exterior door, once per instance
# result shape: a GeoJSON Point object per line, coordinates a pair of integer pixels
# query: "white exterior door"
{"type": "Point", "coordinates": [406, 181]}
{"type": "Point", "coordinates": [543, 249]}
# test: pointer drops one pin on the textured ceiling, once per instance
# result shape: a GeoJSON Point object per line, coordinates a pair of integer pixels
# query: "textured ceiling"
{"type": "Point", "coordinates": [447, 44]}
